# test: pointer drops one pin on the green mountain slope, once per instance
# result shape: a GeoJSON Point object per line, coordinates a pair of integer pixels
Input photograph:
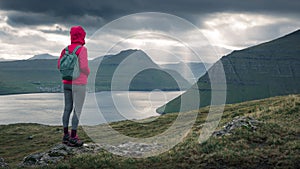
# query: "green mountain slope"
{"type": "Point", "coordinates": [265, 70]}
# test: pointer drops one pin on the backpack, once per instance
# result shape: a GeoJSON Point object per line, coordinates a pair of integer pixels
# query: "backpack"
{"type": "Point", "coordinates": [69, 65]}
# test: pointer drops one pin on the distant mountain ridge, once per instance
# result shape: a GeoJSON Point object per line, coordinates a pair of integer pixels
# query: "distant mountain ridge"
{"type": "Point", "coordinates": [43, 56]}
{"type": "Point", "coordinates": [5, 60]}
{"type": "Point", "coordinates": [40, 74]}
{"type": "Point", "coordinates": [262, 71]}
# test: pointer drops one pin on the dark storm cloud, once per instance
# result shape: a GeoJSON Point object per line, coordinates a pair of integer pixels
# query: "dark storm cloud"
{"type": "Point", "coordinates": [17, 18]}
{"type": "Point", "coordinates": [67, 11]}
{"type": "Point", "coordinates": [35, 12]}
{"type": "Point", "coordinates": [48, 21]}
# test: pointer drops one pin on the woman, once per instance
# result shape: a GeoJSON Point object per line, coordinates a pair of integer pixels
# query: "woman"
{"type": "Point", "coordinates": [75, 90]}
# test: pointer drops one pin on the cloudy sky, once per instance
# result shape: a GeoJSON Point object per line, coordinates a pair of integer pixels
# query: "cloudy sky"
{"type": "Point", "coordinates": [31, 27]}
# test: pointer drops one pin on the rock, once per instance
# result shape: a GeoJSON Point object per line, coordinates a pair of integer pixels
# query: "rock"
{"type": "Point", "coordinates": [47, 159]}
{"type": "Point", "coordinates": [60, 151]}
{"type": "Point", "coordinates": [58, 130]}
{"type": "Point", "coordinates": [33, 159]}
{"type": "Point", "coordinates": [3, 164]}
{"type": "Point", "coordinates": [57, 153]}
{"type": "Point", "coordinates": [132, 149]}
{"type": "Point", "coordinates": [237, 122]}
{"type": "Point", "coordinates": [30, 137]}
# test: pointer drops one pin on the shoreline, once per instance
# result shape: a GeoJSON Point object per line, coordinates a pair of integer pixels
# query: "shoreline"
{"type": "Point", "coordinates": [81, 125]}
{"type": "Point", "coordinates": [23, 93]}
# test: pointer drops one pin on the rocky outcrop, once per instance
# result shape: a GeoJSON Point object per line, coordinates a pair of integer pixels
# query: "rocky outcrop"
{"type": "Point", "coordinates": [3, 164]}
{"type": "Point", "coordinates": [238, 122]}
{"type": "Point", "coordinates": [57, 153]}
{"type": "Point", "coordinates": [60, 151]}
{"type": "Point", "coordinates": [131, 149]}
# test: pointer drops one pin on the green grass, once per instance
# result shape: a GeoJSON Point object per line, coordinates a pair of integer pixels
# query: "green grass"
{"type": "Point", "coordinates": [275, 143]}
{"type": "Point", "coordinates": [16, 144]}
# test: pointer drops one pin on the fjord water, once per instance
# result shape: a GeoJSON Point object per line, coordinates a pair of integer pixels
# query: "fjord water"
{"type": "Point", "coordinates": [102, 107]}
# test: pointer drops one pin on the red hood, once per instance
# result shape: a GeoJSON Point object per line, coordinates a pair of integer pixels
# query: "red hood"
{"type": "Point", "coordinates": [77, 35]}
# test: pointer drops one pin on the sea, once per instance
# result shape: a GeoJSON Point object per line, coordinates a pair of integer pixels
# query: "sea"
{"type": "Point", "coordinates": [99, 108]}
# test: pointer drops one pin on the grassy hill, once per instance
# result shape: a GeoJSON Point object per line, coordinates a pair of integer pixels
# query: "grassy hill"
{"type": "Point", "coordinates": [262, 71]}
{"type": "Point", "coordinates": [274, 144]}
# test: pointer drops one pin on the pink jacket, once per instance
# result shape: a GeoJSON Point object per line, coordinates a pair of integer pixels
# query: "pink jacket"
{"type": "Point", "coordinates": [77, 38]}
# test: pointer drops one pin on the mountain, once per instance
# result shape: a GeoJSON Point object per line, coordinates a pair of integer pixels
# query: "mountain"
{"type": "Point", "coordinates": [43, 56]}
{"type": "Point", "coordinates": [134, 70]}
{"type": "Point", "coordinates": [191, 71]}
{"type": "Point", "coordinates": [5, 60]}
{"type": "Point", "coordinates": [262, 71]}
{"type": "Point", "coordinates": [29, 76]}
{"type": "Point", "coordinates": [41, 75]}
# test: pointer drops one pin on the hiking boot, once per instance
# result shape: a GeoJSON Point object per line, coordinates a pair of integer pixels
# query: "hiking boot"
{"type": "Point", "coordinates": [75, 142]}
{"type": "Point", "coordinates": [66, 139]}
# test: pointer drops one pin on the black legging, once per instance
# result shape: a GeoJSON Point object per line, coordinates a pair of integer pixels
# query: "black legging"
{"type": "Point", "coordinates": [74, 95]}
